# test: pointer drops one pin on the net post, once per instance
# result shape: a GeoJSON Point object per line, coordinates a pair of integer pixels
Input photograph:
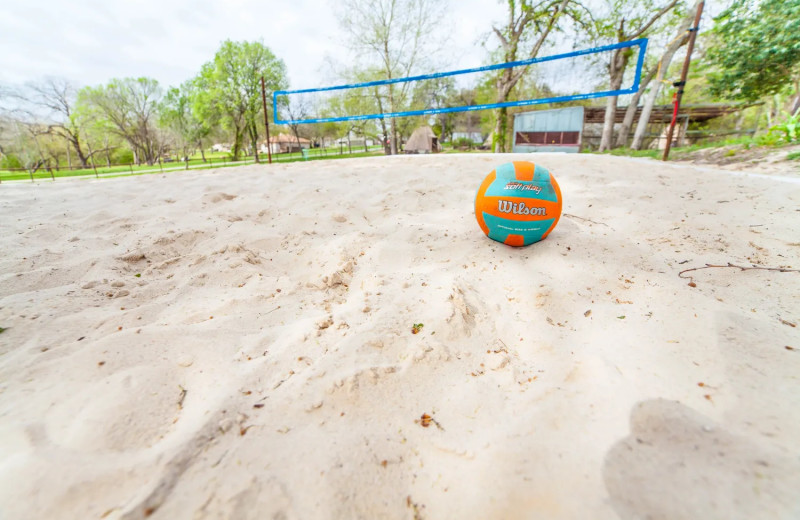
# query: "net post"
{"type": "Point", "coordinates": [682, 83]}
{"type": "Point", "coordinates": [266, 118]}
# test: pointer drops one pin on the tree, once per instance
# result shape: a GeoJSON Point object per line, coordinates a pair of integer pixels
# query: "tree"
{"type": "Point", "coordinates": [57, 98]}
{"type": "Point", "coordinates": [436, 93]}
{"type": "Point", "coordinates": [395, 36]}
{"type": "Point", "coordinates": [297, 107]}
{"type": "Point", "coordinates": [625, 22]}
{"type": "Point", "coordinates": [176, 115]}
{"type": "Point", "coordinates": [633, 105]}
{"type": "Point", "coordinates": [229, 89]}
{"type": "Point", "coordinates": [130, 106]}
{"type": "Point", "coordinates": [524, 17]}
{"type": "Point", "coordinates": [757, 50]}
{"type": "Point", "coordinates": [679, 41]}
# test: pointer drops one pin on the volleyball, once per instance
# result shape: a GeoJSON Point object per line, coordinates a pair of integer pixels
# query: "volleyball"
{"type": "Point", "coordinates": [518, 203]}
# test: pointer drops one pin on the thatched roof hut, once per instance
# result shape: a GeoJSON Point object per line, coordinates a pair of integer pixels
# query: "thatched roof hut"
{"type": "Point", "coordinates": [423, 140]}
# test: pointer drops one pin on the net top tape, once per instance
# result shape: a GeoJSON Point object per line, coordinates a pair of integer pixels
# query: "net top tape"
{"type": "Point", "coordinates": [641, 43]}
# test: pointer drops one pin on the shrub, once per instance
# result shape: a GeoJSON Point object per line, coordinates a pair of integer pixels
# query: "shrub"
{"type": "Point", "coordinates": [8, 162]}
{"type": "Point", "coordinates": [786, 132]}
{"type": "Point", "coordinates": [463, 142]}
{"type": "Point", "coordinates": [123, 156]}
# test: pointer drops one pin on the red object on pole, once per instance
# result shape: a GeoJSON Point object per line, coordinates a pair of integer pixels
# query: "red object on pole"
{"type": "Point", "coordinates": [682, 82]}
{"type": "Point", "coordinates": [266, 118]}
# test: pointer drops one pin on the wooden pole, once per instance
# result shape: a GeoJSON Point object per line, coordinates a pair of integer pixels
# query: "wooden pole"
{"type": "Point", "coordinates": [266, 118]}
{"type": "Point", "coordinates": [682, 83]}
{"type": "Point", "coordinates": [91, 157]}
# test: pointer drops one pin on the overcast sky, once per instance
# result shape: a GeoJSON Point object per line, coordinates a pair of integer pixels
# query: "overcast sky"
{"type": "Point", "coordinates": [92, 41]}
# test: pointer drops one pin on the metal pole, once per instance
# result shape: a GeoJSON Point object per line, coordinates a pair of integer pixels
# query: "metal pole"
{"type": "Point", "coordinates": [266, 118]}
{"type": "Point", "coordinates": [682, 82]}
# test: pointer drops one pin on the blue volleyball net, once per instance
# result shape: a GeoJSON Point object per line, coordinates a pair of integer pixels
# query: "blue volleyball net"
{"type": "Point", "coordinates": [558, 78]}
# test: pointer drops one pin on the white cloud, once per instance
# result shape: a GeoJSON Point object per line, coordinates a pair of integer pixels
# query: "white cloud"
{"type": "Point", "coordinates": [92, 41]}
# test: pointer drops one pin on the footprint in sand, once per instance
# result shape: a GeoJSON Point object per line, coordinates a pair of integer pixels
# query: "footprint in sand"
{"type": "Point", "coordinates": [678, 464]}
{"type": "Point", "coordinates": [214, 198]}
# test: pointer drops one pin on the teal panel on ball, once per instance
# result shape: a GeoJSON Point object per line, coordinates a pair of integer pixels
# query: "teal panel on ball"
{"type": "Point", "coordinates": [498, 189]}
{"type": "Point", "coordinates": [531, 231]}
{"type": "Point", "coordinates": [506, 171]}
{"type": "Point", "coordinates": [541, 174]}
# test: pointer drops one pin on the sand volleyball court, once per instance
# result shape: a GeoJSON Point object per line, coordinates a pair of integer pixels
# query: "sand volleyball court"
{"type": "Point", "coordinates": [238, 343]}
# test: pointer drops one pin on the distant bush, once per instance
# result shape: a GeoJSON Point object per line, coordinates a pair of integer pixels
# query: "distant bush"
{"type": "Point", "coordinates": [8, 162]}
{"type": "Point", "coordinates": [123, 156]}
{"type": "Point", "coordinates": [463, 142]}
{"type": "Point", "coordinates": [786, 132]}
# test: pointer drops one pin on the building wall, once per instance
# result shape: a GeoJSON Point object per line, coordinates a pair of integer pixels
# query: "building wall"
{"type": "Point", "coordinates": [544, 130]}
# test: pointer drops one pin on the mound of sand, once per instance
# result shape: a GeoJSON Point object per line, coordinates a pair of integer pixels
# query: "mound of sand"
{"type": "Point", "coordinates": [238, 343]}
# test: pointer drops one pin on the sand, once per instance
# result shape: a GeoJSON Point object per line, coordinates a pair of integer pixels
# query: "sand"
{"type": "Point", "coordinates": [237, 343]}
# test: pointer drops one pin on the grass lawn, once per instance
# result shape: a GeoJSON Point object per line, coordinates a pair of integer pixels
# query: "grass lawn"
{"type": "Point", "coordinates": [213, 160]}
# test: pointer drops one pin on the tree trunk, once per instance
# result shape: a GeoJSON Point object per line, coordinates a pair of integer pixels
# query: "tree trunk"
{"type": "Point", "coordinates": [500, 128]}
{"type": "Point", "coordinates": [75, 141]}
{"type": "Point", "coordinates": [203, 152]}
{"type": "Point", "coordinates": [666, 59]}
{"type": "Point", "coordinates": [630, 113]}
{"type": "Point", "coordinates": [608, 123]}
{"type": "Point", "coordinates": [253, 131]}
{"type": "Point", "coordinates": [393, 139]}
{"type": "Point", "coordinates": [758, 119]}
{"type": "Point", "coordinates": [297, 138]}
{"type": "Point", "coordinates": [740, 121]}
{"type": "Point", "coordinates": [383, 123]}
{"type": "Point", "coordinates": [237, 143]}
{"type": "Point", "coordinates": [392, 122]}
{"type": "Point", "coordinates": [796, 106]}
{"type": "Point", "coordinates": [69, 158]}
{"type": "Point", "coordinates": [616, 72]}
{"type": "Point", "coordinates": [91, 158]}
{"type": "Point", "coordinates": [108, 156]}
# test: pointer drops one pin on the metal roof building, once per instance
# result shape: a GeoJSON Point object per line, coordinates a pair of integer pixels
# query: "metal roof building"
{"type": "Point", "coordinates": [556, 130]}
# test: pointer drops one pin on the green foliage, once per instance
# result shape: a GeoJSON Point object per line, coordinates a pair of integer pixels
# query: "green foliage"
{"type": "Point", "coordinates": [756, 49]}
{"type": "Point", "coordinates": [228, 88]}
{"type": "Point", "coordinates": [793, 156]}
{"type": "Point", "coordinates": [788, 131]}
{"type": "Point", "coordinates": [9, 162]}
{"type": "Point", "coordinates": [463, 142]}
{"type": "Point", "coordinates": [176, 115]}
{"type": "Point", "coordinates": [629, 152]}
{"type": "Point", "coordinates": [128, 108]}
{"type": "Point", "coordinates": [123, 156]}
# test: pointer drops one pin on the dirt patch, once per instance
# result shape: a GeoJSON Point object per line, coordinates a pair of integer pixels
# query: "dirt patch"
{"type": "Point", "coordinates": [757, 159]}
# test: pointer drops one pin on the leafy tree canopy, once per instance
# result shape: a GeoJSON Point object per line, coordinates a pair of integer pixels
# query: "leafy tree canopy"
{"type": "Point", "coordinates": [757, 49]}
{"type": "Point", "coordinates": [228, 88]}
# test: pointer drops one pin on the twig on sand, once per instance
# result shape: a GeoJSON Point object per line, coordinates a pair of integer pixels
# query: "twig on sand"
{"type": "Point", "coordinates": [585, 219]}
{"type": "Point", "coordinates": [182, 397]}
{"type": "Point", "coordinates": [740, 267]}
